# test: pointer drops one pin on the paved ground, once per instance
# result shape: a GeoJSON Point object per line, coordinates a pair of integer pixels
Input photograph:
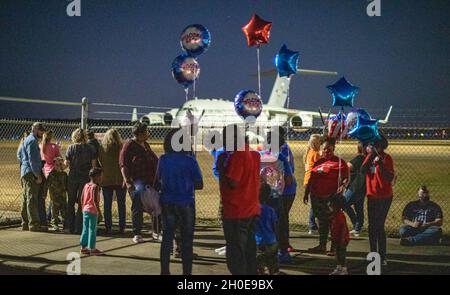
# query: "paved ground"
{"type": "Point", "coordinates": [35, 253]}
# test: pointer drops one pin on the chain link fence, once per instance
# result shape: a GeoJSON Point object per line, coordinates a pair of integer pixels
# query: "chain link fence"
{"type": "Point", "coordinates": [421, 156]}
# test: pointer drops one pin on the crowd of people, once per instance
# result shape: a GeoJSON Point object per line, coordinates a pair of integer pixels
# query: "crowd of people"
{"type": "Point", "coordinates": [254, 216]}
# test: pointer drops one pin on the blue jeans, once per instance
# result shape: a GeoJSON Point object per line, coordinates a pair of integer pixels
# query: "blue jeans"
{"type": "Point", "coordinates": [421, 236]}
{"type": "Point", "coordinates": [137, 213]}
{"type": "Point", "coordinates": [89, 233]}
{"type": "Point", "coordinates": [356, 215]}
{"type": "Point", "coordinates": [107, 205]}
{"type": "Point", "coordinates": [183, 217]}
{"type": "Point", "coordinates": [312, 220]}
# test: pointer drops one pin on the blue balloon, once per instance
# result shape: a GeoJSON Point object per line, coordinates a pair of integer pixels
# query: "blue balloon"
{"type": "Point", "coordinates": [343, 93]}
{"type": "Point", "coordinates": [286, 62]}
{"type": "Point", "coordinates": [248, 103]}
{"type": "Point", "coordinates": [195, 39]}
{"type": "Point", "coordinates": [364, 128]}
{"type": "Point", "coordinates": [185, 70]}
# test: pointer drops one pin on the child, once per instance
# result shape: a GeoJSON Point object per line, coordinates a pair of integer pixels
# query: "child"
{"type": "Point", "coordinates": [266, 241]}
{"type": "Point", "coordinates": [57, 188]}
{"type": "Point", "coordinates": [90, 200]}
{"type": "Point", "coordinates": [339, 234]}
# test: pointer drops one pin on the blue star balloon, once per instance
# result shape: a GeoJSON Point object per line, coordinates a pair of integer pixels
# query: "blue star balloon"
{"type": "Point", "coordinates": [286, 62]}
{"type": "Point", "coordinates": [343, 93]}
{"type": "Point", "coordinates": [363, 127]}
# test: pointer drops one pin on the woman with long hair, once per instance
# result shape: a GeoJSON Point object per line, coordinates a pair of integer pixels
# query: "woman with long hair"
{"type": "Point", "coordinates": [49, 152]}
{"type": "Point", "coordinates": [112, 180]}
{"type": "Point", "coordinates": [80, 158]}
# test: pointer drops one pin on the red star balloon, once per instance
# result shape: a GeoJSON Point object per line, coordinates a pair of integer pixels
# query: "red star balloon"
{"type": "Point", "coordinates": [257, 31]}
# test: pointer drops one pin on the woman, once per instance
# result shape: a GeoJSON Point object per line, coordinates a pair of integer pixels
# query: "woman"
{"type": "Point", "coordinates": [49, 152]}
{"type": "Point", "coordinates": [328, 177]}
{"type": "Point", "coordinates": [138, 166]}
{"type": "Point", "coordinates": [80, 158]}
{"type": "Point", "coordinates": [356, 192]}
{"type": "Point", "coordinates": [180, 175]}
{"type": "Point", "coordinates": [112, 180]}
{"type": "Point", "coordinates": [311, 156]}
{"type": "Point", "coordinates": [379, 170]}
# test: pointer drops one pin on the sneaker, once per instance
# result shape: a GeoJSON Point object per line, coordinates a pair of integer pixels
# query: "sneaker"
{"type": "Point", "coordinates": [318, 250]}
{"type": "Point", "coordinates": [331, 253]}
{"type": "Point", "coordinates": [178, 255]}
{"type": "Point", "coordinates": [284, 258]}
{"type": "Point", "coordinates": [312, 231]}
{"type": "Point", "coordinates": [355, 232]}
{"type": "Point", "coordinates": [157, 237]}
{"type": "Point", "coordinates": [384, 262]}
{"type": "Point", "coordinates": [138, 239]}
{"type": "Point", "coordinates": [108, 231]}
{"type": "Point", "coordinates": [339, 271]}
{"type": "Point", "coordinates": [55, 228]}
{"type": "Point", "coordinates": [222, 253]}
{"type": "Point", "coordinates": [96, 252]}
{"type": "Point", "coordinates": [290, 249]}
{"type": "Point", "coordinates": [84, 250]}
{"type": "Point", "coordinates": [221, 249]}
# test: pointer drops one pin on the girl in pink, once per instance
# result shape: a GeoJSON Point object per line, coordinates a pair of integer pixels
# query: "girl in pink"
{"type": "Point", "coordinates": [90, 200]}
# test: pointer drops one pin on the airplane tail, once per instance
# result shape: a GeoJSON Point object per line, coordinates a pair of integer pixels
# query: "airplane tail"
{"type": "Point", "coordinates": [134, 115]}
{"type": "Point", "coordinates": [386, 119]}
{"type": "Point", "coordinates": [279, 93]}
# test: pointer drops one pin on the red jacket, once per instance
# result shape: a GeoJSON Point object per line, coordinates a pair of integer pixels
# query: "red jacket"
{"type": "Point", "coordinates": [339, 229]}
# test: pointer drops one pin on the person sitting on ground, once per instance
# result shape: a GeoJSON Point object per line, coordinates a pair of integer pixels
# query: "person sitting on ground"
{"type": "Point", "coordinates": [266, 241]}
{"type": "Point", "coordinates": [340, 235]}
{"type": "Point", "coordinates": [423, 220]}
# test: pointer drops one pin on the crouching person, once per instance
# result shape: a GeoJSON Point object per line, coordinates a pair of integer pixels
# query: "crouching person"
{"type": "Point", "coordinates": [179, 175]}
{"type": "Point", "coordinates": [422, 221]}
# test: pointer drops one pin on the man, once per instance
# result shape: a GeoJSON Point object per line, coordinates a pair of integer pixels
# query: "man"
{"type": "Point", "coordinates": [239, 189]}
{"type": "Point", "coordinates": [423, 221]}
{"type": "Point", "coordinates": [138, 164]}
{"type": "Point", "coordinates": [31, 176]}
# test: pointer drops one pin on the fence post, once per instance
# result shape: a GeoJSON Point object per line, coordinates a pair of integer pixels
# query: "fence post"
{"type": "Point", "coordinates": [84, 113]}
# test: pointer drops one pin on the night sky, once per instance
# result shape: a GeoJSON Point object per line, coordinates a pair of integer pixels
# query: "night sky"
{"type": "Point", "coordinates": [121, 52]}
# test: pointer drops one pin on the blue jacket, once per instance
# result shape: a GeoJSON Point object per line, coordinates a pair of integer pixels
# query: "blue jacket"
{"type": "Point", "coordinates": [29, 156]}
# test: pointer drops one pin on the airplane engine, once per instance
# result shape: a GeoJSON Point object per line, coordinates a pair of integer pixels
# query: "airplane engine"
{"type": "Point", "coordinates": [296, 121]}
{"type": "Point", "coordinates": [301, 120]}
{"type": "Point", "coordinates": [168, 118]}
{"type": "Point", "coordinates": [153, 119]}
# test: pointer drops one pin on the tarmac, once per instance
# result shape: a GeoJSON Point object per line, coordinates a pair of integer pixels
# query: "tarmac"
{"type": "Point", "coordinates": [23, 252]}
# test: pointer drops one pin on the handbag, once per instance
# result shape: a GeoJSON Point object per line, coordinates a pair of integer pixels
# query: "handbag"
{"type": "Point", "coordinates": [151, 199]}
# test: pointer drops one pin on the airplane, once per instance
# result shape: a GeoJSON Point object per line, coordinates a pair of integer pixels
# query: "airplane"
{"type": "Point", "coordinates": [217, 113]}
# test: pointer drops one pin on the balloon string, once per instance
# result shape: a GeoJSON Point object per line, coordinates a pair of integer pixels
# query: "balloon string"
{"type": "Point", "coordinates": [287, 106]}
{"type": "Point", "coordinates": [193, 89]}
{"type": "Point", "coordinates": [186, 90]}
{"type": "Point", "coordinates": [341, 119]}
{"type": "Point", "coordinates": [259, 72]}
